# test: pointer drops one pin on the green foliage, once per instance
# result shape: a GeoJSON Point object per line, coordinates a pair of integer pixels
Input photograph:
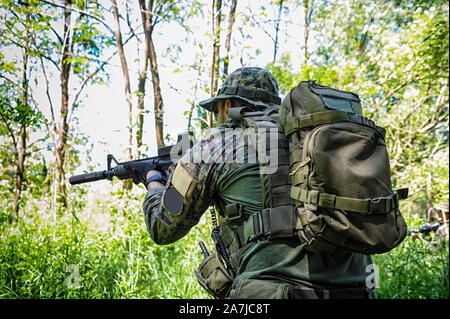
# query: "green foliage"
{"type": "Point", "coordinates": [110, 247]}
{"type": "Point", "coordinates": [14, 111]}
{"type": "Point", "coordinates": [401, 77]}
{"type": "Point", "coordinates": [414, 270]}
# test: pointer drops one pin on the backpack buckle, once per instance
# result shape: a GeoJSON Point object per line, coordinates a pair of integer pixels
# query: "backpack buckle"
{"type": "Point", "coordinates": [234, 212]}
{"type": "Point", "coordinates": [377, 205]}
{"type": "Point", "coordinates": [356, 118]}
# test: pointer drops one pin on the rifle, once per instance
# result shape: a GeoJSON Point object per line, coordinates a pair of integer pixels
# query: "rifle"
{"type": "Point", "coordinates": [425, 229]}
{"type": "Point", "coordinates": [137, 169]}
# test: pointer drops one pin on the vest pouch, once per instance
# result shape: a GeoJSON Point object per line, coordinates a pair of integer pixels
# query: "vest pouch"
{"type": "Point", "coordinates": [213, 276]}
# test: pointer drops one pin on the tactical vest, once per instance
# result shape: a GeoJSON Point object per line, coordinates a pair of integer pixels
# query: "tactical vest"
{"type": "Point", "coordinates": [278, 214]}
{"type": "Point", "coordinates": [277, 219]}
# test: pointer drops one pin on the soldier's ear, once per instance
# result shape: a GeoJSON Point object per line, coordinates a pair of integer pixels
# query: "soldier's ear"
{"type": "Point", "coordinates": [230, 103]}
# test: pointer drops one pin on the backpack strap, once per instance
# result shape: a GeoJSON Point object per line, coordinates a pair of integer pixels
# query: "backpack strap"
{"type": "Point", "coordinates": [328, 117]}
{"type": "Point", "coordinates": [271, 223]}
{"type": "Point", "coordinates": [283, 222]}
{"type": "Point", "coordinates": [312, 198]}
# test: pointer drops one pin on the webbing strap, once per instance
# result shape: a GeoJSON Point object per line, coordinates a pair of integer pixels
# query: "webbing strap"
{"type": "Point", "coordinates": [236, 113]}
{"type": "Point", "coordinates": [328, 117]}
{"type": "Point", "coordinates": [271, 223]}
{"type": "Point", "coordinates": [379, 205]}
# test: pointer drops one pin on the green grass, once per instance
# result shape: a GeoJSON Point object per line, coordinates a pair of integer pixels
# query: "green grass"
{"type": "Point", "coordinates": [414, 270]}
{"type": "Point", "coordinates": [112, 250]}
{"type": "Point", "coordinates": [107, 242]}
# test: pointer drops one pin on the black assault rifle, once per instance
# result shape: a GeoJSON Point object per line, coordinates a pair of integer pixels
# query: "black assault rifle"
{"type": "Point", "coordinates": [138, 169]}
{"type": "Point", "coordinates": [425, 229]}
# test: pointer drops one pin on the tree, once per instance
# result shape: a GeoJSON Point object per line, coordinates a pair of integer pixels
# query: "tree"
{"type": "Point", "coordinates": [151, 13]}
{"type": "Point", "coordinates": [15, 111]}
{"type": "Point", "coordinates": [308, 7]}
{"type": "Point", "coordinates": [216, 17]}
{"type": "Point", "coordinates": [18, 117]}
{"type": "Point", "coordinates": [396, 59]}
{"type": "Point", "coordinates": [231, 19]}
{"type": "Point", "coordinates": [73, 52]}
{"type": "Point", "coordinates": [277, 28]}
{"type": "Point", "coordinates": [125, 74]}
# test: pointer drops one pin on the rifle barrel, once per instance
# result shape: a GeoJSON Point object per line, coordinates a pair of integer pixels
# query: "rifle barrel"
{"type": "Point", "coordinates": [90, 177]}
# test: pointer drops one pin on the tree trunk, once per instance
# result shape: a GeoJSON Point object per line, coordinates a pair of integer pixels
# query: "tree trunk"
{"type": "Point", "coordinates": [277, 28]}
{"type": "Point", "coordinates": [231, 19]}
{"type": "Point", "coordinates": [308, 4]}
{"type": "Point", "coordinates": [63, 128]}
{"type": "Point", "coordinates": [158, 100]}
{"type": "Point", "coordinates": [216, 19]}
{"type": "Point", "coordinates": [20, 164]}
{"type": "Point", "coordinates": [126, 77]}
{"type": "Point", "coordinates": [147, 26]}
{"type": "Point", "coordinates": [22, 147]}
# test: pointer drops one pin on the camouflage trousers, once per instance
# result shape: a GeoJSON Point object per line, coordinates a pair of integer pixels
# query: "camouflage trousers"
{"type": "Point", "coordinates": [266, 289]}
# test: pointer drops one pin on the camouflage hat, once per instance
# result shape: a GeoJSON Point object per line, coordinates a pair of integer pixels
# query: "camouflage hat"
{"type": "Point", "coordinates": [253, 85]}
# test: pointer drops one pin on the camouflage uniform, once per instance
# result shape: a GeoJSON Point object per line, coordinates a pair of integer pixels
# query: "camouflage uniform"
{"type": "Point", "coordinates": [264, 268]}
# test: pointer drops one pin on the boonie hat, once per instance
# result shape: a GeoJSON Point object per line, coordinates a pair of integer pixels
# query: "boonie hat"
{"type": "Point", "coordinates": [254, 85]}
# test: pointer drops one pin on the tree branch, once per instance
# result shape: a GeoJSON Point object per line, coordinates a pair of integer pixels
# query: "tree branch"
{"type": "Point", "coordinates": [80, 11]}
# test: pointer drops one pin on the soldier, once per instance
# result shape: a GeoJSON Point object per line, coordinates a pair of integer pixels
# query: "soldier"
{"type": "Point", "coordinates": [439, 213]}
{"type": "Point", "coordinates": [245, 263]}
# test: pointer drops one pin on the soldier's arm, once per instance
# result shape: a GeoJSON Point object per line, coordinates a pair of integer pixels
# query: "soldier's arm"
{"type": "Point", "coordinates": [170, 212]}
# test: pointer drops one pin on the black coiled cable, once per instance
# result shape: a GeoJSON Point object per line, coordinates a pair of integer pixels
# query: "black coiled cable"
{"type": "Point", "coordinates": [220, 245]}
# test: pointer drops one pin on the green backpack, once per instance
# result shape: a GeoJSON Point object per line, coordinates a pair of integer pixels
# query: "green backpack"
{"type": "Point", "coordinates": [340, 173]}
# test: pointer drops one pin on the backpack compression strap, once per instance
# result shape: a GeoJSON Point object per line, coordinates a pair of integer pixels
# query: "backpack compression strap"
{"type": "Point", "coordinates": [379, 205]}
{"type": "Point", "coordinates": [328, 117]}
{"type": "Point", "coordinates": [261, 224]}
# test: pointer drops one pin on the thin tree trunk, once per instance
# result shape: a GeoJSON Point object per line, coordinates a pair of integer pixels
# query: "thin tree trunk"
{"type": "Point", "coordinates": [158, 100]}
{"type": "Point", "coordinates": [216, 19]}
{"type": "Point", "coordinates": [308, 4]}
{"type": "Point", "coordinates": [277, 28]}
{"type": "Point", "coordinates": [126, 77]}
{"type": "Point", "coordinates": [63, 128]}
{"type": "Point", "coordinates": [231, 19]}
{"type": "Point", "coordinates": [22, 147]}
{"type": "Point", "coordinates": [20, 165]}
{"type": "Point", "coordinates": [146, 24]}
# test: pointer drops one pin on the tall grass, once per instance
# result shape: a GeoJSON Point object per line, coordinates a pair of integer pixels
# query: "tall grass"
{"type": "Point", "coordinates": [102, 250]}
{"type": "Point", "coordinates": [414, 270]}
{"type": "Point", "coordinates": [109, 248]}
